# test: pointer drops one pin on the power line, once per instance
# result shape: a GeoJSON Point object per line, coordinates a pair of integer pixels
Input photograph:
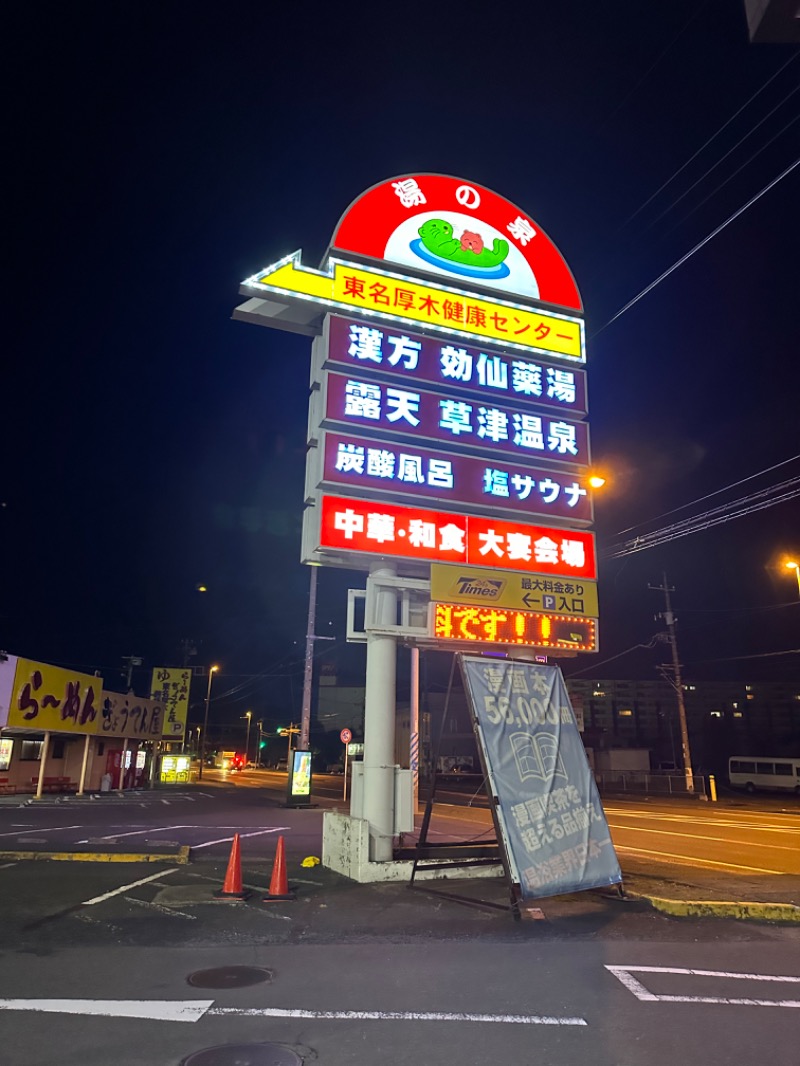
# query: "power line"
{"type": "Point", "coordinates": [651, 68]}
{"type": "Point", "coordinates": [697, 247]}
{"type": "Point", "coordinates": [594, 666]}
{"type": "Point", "coordinates": [710, 139]}
{"type": "Point", "coordinates": [761, 655]}
{"type": "Point", "coordinates": [722, 159]}
{"type": "Point", "coordinates": [717, 516]}
{"type": "Point", "coordinates": [716, 492]}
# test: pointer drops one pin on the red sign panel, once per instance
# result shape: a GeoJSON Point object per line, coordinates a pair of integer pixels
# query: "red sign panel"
{"type": "Point", "coordinates": [461, 480]}
{"type": "Point", "coordinates": [380, 349]}
{"type": "Point", "coordinates": [435, 536]}
{"type": "Point", "coordinates": [483, 427]}
{"type": "Point", "coordinates": [451, 227]}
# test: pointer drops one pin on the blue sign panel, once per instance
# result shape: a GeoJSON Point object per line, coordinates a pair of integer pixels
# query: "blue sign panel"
{"type": "Point", "coordinates": [555, 832]}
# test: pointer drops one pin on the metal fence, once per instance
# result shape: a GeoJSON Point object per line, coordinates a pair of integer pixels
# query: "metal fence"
{"type": "Point", "coordinates": [640, 782]}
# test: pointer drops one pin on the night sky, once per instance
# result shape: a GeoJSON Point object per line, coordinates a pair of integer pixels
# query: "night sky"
{"type": "Point", "coordinates": [159, 154]}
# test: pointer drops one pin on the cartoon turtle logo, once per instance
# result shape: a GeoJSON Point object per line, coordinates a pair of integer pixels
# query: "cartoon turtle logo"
{"type": "Point", "coordinates": [466, 255]}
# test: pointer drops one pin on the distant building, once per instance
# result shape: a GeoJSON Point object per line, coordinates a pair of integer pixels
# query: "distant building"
{"type": "Point", "coordinates": [724, 718]}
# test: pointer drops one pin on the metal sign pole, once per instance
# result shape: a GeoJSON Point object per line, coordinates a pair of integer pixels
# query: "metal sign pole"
{"type": "Point", "coordinates": [379, 715]}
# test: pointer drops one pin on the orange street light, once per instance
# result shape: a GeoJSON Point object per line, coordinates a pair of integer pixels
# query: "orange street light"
{"type": "Point", "coordinates": [597, 481]}
{"type": "Point", "coordinates": [792, 565]}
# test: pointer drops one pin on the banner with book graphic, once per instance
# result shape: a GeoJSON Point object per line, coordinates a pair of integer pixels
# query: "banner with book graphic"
{"type": "Point", "coordinates": [549, 816]}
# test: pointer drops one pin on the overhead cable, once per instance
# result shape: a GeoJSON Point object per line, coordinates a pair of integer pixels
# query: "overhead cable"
{"type": "Point", "coordinates": [713, 137]}
{"type": "Point", "coordinates": [722, 159]}
{"type": "Point", "coordinates": [716, 492]}
{"type": "Point", "coordinates": [697, 247]}
{"type": "Point", "coordinates": [700, 523]}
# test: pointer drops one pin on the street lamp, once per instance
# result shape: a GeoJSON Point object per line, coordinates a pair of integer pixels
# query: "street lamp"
{"type": "Point", "coordinates": [792, 565]}
{"type": "Point", "coordinates": [248, 715]}
{"type": "Point", "coordinates": [211, 673]}
{"type": "Point", "coordinates": [290, 732]}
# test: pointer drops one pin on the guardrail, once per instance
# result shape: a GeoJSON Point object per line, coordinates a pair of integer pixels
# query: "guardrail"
{"type": "Point", "coordinates": [648, 783]}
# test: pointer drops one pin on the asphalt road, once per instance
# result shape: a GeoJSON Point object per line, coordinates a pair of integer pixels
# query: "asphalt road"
{"type": "Point", "coordinates": [741, 836]}
{"type": "Point", "coordinates": [96, 956]}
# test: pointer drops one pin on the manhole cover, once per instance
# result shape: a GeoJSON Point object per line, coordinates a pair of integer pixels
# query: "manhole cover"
{"type": "Point", "coordinates": [244, 1055]}
{"type": "Point", "coordinates": [229, 977]}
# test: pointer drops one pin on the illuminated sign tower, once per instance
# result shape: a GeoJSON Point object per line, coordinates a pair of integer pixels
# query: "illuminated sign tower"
{"type": "Point", "coordinates": [447, 433]}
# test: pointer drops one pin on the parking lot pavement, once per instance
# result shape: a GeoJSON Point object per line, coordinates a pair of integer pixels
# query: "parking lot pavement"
{"type": "Point", "coordinates": [198, 826]}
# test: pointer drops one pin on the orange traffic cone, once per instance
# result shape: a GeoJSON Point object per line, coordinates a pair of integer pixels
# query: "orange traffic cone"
{"type": "Point", "coordinates": [278, 885]}
{"type": "Point", "coordinates": [232, 885]}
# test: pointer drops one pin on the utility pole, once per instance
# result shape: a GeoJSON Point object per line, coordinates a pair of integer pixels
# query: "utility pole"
{"type": "Point", "coordinates": [130, 661]}
{"type": "Point", "coordinates": [677, 682]}
{"type": "Point", "coordinates": [188, 650]}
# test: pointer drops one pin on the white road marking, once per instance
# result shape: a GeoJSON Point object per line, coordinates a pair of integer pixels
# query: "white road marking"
{"type": "Point", "coordinates": [193, 1010]}
{"type": "Point", "coordinates": [624, 974]}
{"type": "Point", "coordinates": [6, 865]}
{"type": "Point", "coordinates": [157, 907]}
{"type": "Point", "coordinates": [691, 860]}
{"type": "Point", "coordinates": [46, 829]}
{"type": "Point", "coordinates": [697, 836]}
{"type": "Point", "coordinates": [226, 840]}
{"type": "Point", "coordinates": [775, 827]}
{"type": "Point", "coordinates": [168, 1011]}
{"type": "Point", "coordinates": [124, 888]}
{"type": "Point", "coordinates": [139, 832]}
{"type": "Point", "coordinates": [399, 1015]}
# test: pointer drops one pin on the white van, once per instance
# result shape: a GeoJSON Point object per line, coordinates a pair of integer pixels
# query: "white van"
{"type": "Point", "coordinates": [764, 771]}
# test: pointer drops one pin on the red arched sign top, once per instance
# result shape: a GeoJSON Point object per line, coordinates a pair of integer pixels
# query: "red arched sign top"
{"type": "Point", "coordinates": [461, 231]}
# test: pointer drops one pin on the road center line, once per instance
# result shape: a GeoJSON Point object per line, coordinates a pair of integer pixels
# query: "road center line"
{"type": "Point", "coordinates": [194, 1010]}
{"type": "Point", "coordinates": [693, 860]}
{"type": "Point", "coordinates": [699, 836]}
{"type": "Point", "coordinates": [124, 888]}
{"type": "Point", "coordinates": [395, 1015]}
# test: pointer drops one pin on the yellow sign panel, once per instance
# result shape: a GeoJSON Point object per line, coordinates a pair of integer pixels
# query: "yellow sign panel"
{"type": "Point", "coordinates": [175, 769]}
{"type": "Point", "coordinates": [170, 687]}
{"type": "Point", "coordinates": [129, 716]}
{"type": "Point", "coordinates": [515, 591]}
{"type": "Point", "coordinates": [349, 287]}
{"type": "Point", "coordinates": [51, 698]}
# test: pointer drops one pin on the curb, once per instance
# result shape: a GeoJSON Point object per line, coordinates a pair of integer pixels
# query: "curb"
{"type": "Point", "coordinates": [181, 856]}
{"type": "Point", "coordinates": [694, 908]}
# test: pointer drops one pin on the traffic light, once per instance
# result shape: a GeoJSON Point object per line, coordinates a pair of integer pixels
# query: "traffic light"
{"type": "Point", "coordinates": [262, 744]}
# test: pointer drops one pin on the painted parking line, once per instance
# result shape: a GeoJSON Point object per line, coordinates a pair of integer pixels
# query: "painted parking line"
{"type": "Point", "coordinates": [140, 832]}
{"type": "Point", "coordinates": [41, 829]}
{"type": "Point", "coordinates": [193, 1010]}
{"type": "Point", "coordinates": [624, 974]}
{"type": "Point", "coordinates": [152, 829]}
{"type": "Point", "coordinates": [125, 888]}
{"type": "Point", "coordinates": [227, 840]}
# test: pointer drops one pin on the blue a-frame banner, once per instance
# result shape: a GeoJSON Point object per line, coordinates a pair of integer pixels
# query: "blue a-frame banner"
{"type": "Point", "coordinates": [549, 813]}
